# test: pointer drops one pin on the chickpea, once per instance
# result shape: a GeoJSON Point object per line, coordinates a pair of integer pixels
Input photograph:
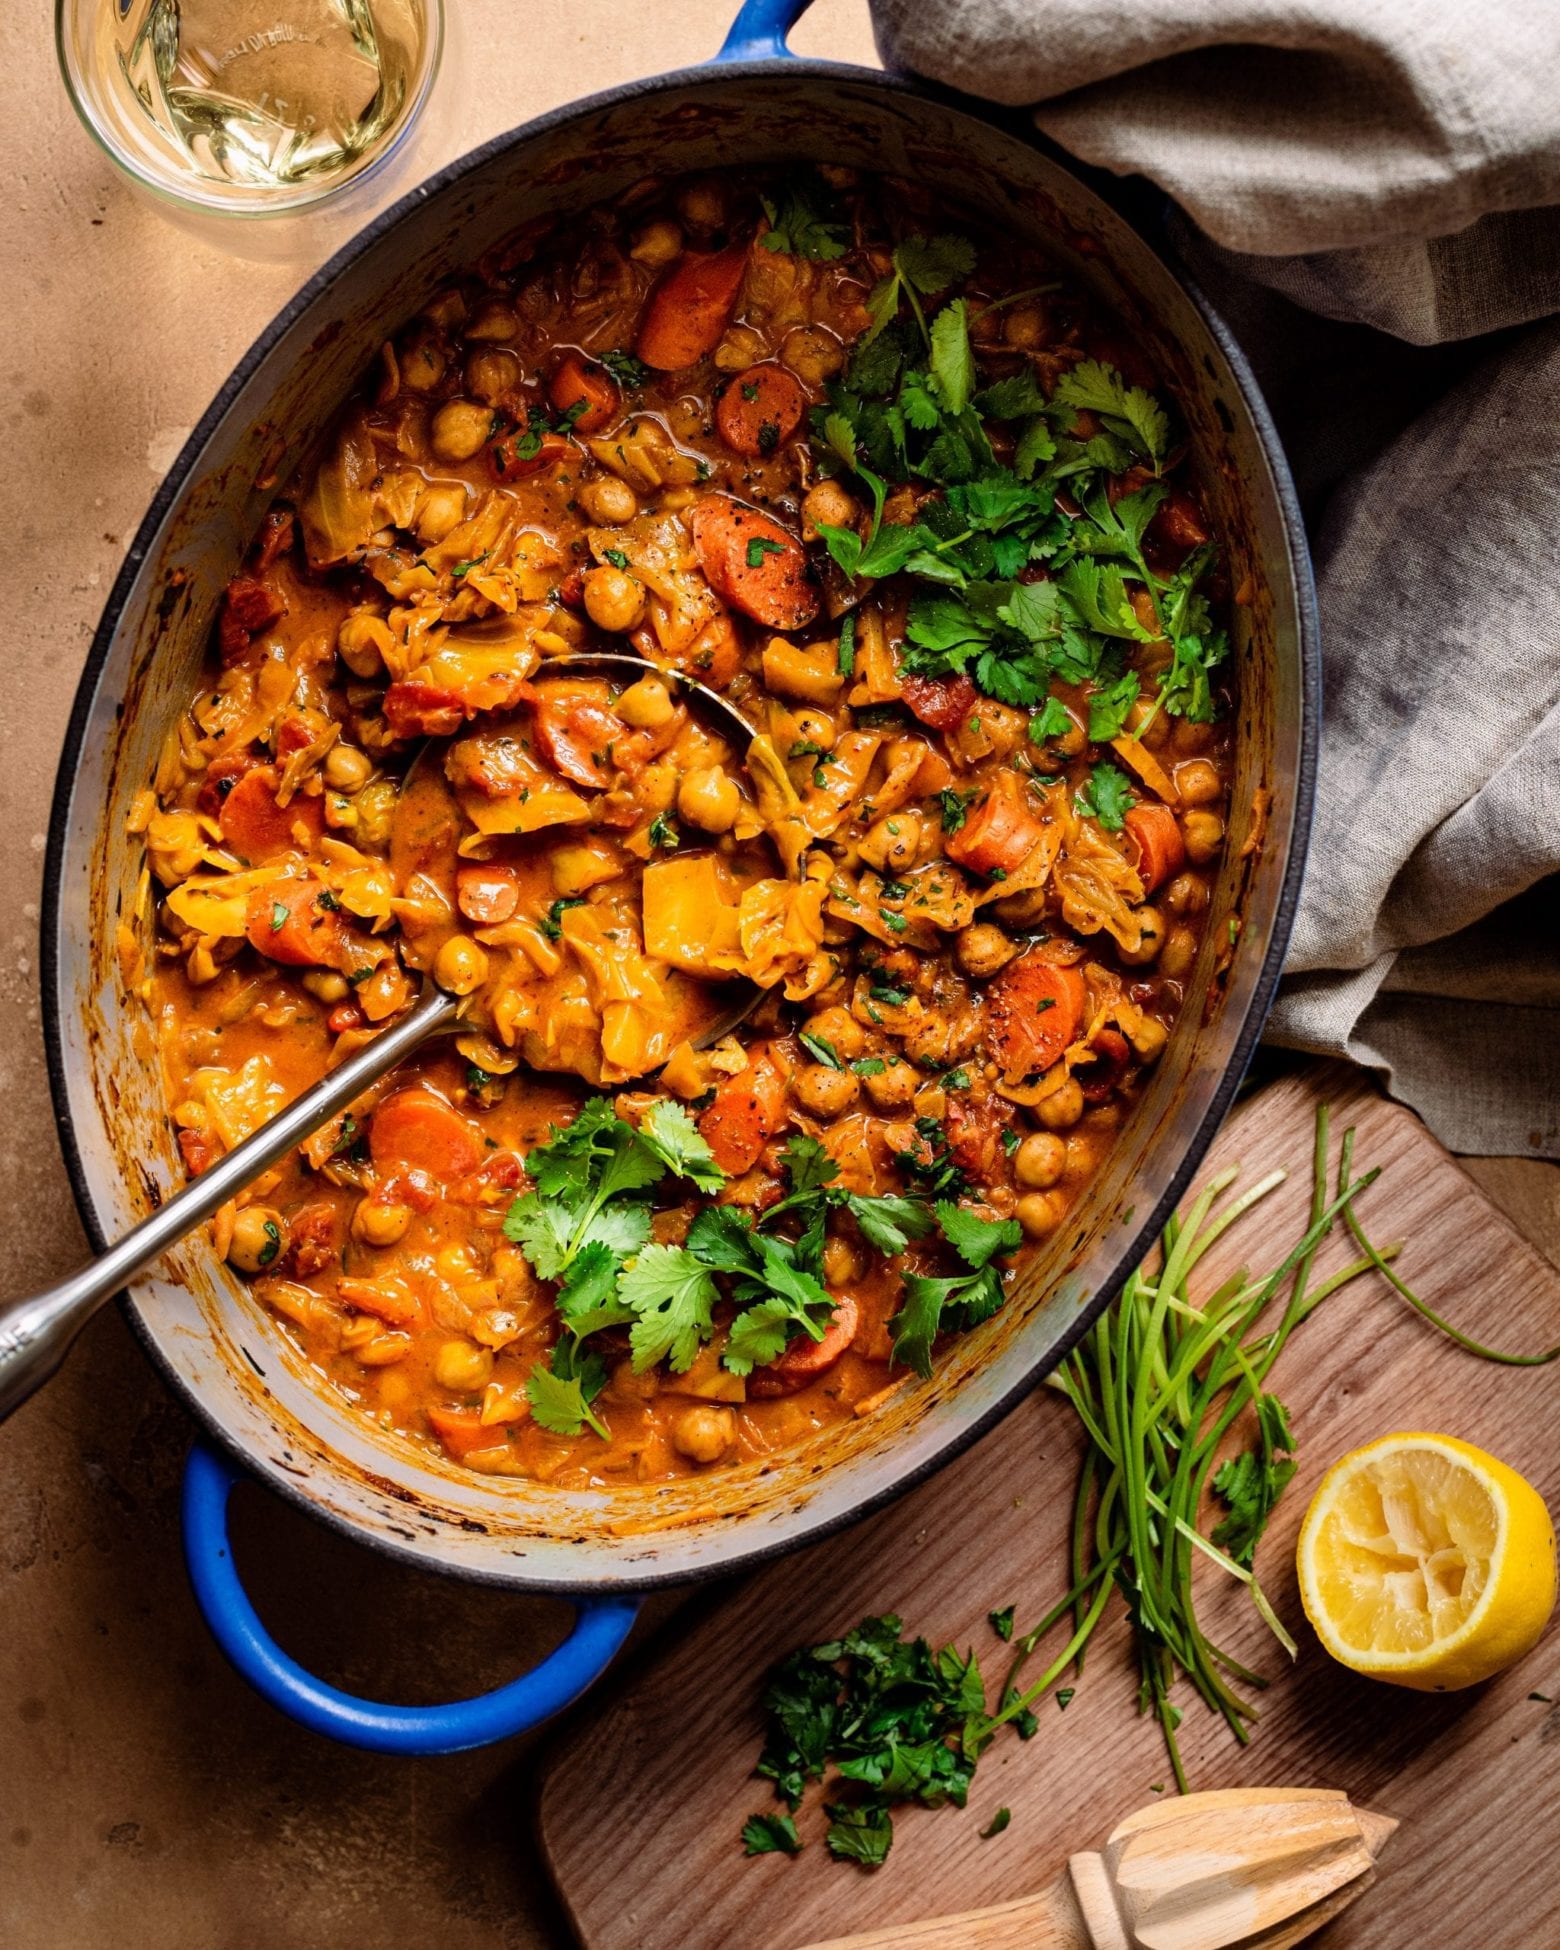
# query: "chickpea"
{"type": "Point", "coordinates": [494, 318]}
{"type": "Point", "coordinates": [1039, 1213]}
{"type": "Point", "coordinates": [447, 310]}
{"type": "Point", "coordinates": [1149, 1039]}
{"type": "Point", "coordinates": [708, 798]}
{"type": "Point", "coordinates": [827, 502]}
{"type": "Point", "coordinates": [461, 1367]}
{"type": "Point", "coordinates": [891, 843]}
{"type": "Point", "coordinates": [422, 365]}
{"type": "Point", "coordinates": [440, 510]}
{"type": "Point", "coordinates": [813, 353]}
{"type": "Point", "coordinates": [460, 429]}
{"type": "Point", "coordinates": [362, 641]}
{"type": "Point", "coordinates": [841, 1263]}
{"type": "Point", "coordinates": [1204, 835]}
{"type": "Point", "coordinates": [656, 243]}
{"type": "Point", "coordinates": [1039, 1161]}
{"type": "Point", "coordinates": [1192, 737]}
{"type": "Point", "coordinates": [346, 768]}
{"type": "Point", "coordinates": [892, 1088]}
{"type": "Point", "coordinates": [1197, 781]}
{"type": "Point", "coordinates": [326, 985]}
{"type": "Point", "coordinates": [258, 1232]}
{"type": "Point", "coordinates": [982, 949]}
{"type": "Point", "coordinates": [1062, 1109]}
{"type": "Point", "coordinates": [613, 600]}
{"type": "Point", "coordinates": [704, 1433]}
{"type": "Point", "coordinates": [1150, 940]}
{"type": "Point", "coordinates": [460, 965]}
{"type": "Point", "coordinates": [380, 1221]}
{"type": "Point", "coordinates": [1186, 894]}
{"type": "Point", "coordinates": [647, 705]}
{"type": "Point", "coordinates": [1178, 954]}
{"type": "Point", "coordinates": [702, 204]}
{"type": "Point", "coordinates": [825, 1092]}
{"type": "Point", "coordinates": [814, 727]}
{"type": "Point", "coordinates": [840, 1030]}
{"type": "Point", "coordinates": [609, 500]}
{"type": "Point", "coordinates": [491, 373]}
{"type": "Point", "coordinates": [657, 789]}
{"type": "Point", "coordinates": [1023, 911]}
{"type": "Point", "coordinates": [1024, 327]}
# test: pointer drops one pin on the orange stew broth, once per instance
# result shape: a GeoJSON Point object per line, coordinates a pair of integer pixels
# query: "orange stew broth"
{"type": "Point", "coordinates": [458, 533]}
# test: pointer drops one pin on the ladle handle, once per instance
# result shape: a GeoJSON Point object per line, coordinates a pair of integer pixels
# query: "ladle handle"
{"type": "Point", "coordinates": [36, 1333]}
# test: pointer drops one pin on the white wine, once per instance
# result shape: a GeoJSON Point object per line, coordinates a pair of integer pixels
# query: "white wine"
{"type": "Point", "coordinates": [255, 99]}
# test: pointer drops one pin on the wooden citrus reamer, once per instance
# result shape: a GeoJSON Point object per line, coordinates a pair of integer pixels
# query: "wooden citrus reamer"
{"type": "Point", "coordinates": [1236, 1869]}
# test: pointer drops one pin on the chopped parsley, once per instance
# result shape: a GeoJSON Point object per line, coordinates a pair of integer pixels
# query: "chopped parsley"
{"type": "Point", "coordinates": [551, 923]}
{"type": "Point", "coordinates": [758, 547]}
{"type": "Point", "coordinates": [804, 221]}
{"type": "Point", "coordinates": [663, 833]}
{"type": "Point", "coordinates": [628, 371]}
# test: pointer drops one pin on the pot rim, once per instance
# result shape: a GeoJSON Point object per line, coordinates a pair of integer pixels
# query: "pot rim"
{"type": "Point", "coordinates": [174, 484]}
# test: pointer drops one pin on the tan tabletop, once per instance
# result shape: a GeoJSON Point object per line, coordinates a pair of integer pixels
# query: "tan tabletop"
{"type": "Point", "coordinates": [147, 1797]}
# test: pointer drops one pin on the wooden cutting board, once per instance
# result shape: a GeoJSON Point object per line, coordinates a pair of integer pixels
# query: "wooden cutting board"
{"type": "Point", "coordinates": [642, 1802]}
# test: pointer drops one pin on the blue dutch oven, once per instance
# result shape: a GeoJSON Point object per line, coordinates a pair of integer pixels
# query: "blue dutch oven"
{"type": "Point", "coordinates": [261, 1412]}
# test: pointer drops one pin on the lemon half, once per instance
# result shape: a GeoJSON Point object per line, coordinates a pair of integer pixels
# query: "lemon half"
{"type": "Point", "coordinates": [1426, 1562]}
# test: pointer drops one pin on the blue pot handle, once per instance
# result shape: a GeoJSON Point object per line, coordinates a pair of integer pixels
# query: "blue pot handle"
{"type": "Point", "coordinates": [601, 1625]}
{"type": "Point", "coordinates": [759, 30]}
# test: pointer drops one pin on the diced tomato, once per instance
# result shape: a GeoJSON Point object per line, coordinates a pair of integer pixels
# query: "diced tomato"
{"type": "Point", "coordinates": [805, 1359]}
{"type": "Point", "coordinates": [289, 922]}
{"type": "Point", "coordinates": [748, 1110]}
{"type": "Point", "coordinates": [1154, 834]}
{"type": "Point", "coordinates": [462, 1430]}
{"type": "Point", "coordinates": [345, 1016]}
{"type": "Point", "coordinates": [486, 893]}
{"type": "Point", "coordinates": [999, 832]}
{"type": "Point", "coordinates": [1098, 1079]}
{"type": "Point", "coordinates": [499, 1174]}
{"type": "Point", "coordinates": [581, 382]}
{"type": "Point", "coordinates": [417, 710]}
{"type": "Point", "coordinates": [690, 308]}
{"type": "Point", "coordinates": [942, 702]}
{"type": "Point", "coordinates": [388, 1299]}
{"type": "Point", "coordinates": [222, 774]}
{"type": "Point", "coordinates": [248, 606]}
{"type": "Point", "coordinates": [753, 563]}
{"type": "Point", "coordinates": [257, 828]}
{"type": "Point", "coordinates": [414, 1130]}
{"type": "Point", "coordinates": [199, 1151]}
{"type": "Point", "coordinates": [313, 1241]}
{"type": "Point", "coordinates": [571, 591]}
{"type": "Point", "coordinates": [1034, 1009]}
{"type": "Point", "coordinates": [760, 410]}
{"type": "Point", "coordinates": [975, 1132]}
{"type": "Point", "coordinates": [582, 740]}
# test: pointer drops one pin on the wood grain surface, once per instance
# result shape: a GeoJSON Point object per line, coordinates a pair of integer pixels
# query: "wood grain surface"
{"type": "Point", "coordinates": [642, 1802]}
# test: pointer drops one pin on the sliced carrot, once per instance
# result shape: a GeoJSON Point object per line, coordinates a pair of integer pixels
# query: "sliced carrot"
{"type": "Point", "coordinates": [942, 702]}
{"type": "Point", "coordinates": [748, 1110]}
{"type": "Point", "coordinates": [1155, 833]}
{"type": "Point", "coordinates": [486, 893]}
{"type": "Point", "coordinates": [388, 1299]}
{"type": "Point", "coordinates": [753, 563]}
{"type": "Point", "coordinates": [256, 827]}
{"type": "Point", "coordinates": [760, 410]}
{"type": "Point", "coordinates": [414, 1130]}
{"type": "Point", "coordinates": [581, 382]}
{"type": "Point", "coordinates": [999, 833]}
{"type": "Point", "coordinates": [582, 740]}
{"type": "Point", "coordinates": [1034, 1009]}
{"type": "Point", "coordinates": [290, 922]}
{"type": "Point", "coordinates": [691, 307]}
{"type": "Point", "coordinates": [461, 1430]}
{"type": "Point", "coordinates": [512, 456]}
{"type": "Point", "coordinates": [805, 1359]}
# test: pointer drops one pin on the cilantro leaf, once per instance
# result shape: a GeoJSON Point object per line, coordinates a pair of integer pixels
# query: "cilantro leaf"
{"type": "Point", "coordinates": [1127, 411]}
{"type": "Point", "coordinates": [671, 1294]}
{"type": "Point", "coordinates": [1107, 797]}
{"type": "Point", "coordinates": [1252, 1482]}
{"type": "Point", "coordinates": [770, 1835]}
{"type": "Point", "coordinates": [931, 264]}
{"type": "Point", "coordinates": [977, 1241]}
{"type": "Point", "coordinates": [560, 1395]}
{"type": "Point", "coordinates": [1052, 720]}
{"type": "Point", "coordinates": [955, 807]}
{"type": "Point", "coordinates": [863, 1834]}
{"type": "Point", "coordinates": [953, 361]}
{"type": "Point", "coordinates": [671, 1135]}
{"type": "Point", "coordinates": [629, 372]}
{"type": "Point", "coordinates": [1011, 399]}
{"type": "Point", "coordinates": [1109, 708]}
{"type": "Point", "coordinates": [888, 1222]}
{"type": "Point", "coordinates": [1002, 1622]}
{"type": "Point", "coordinates": [804, 221]}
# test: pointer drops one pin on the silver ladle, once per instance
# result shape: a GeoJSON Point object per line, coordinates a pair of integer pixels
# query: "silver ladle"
{"type": "Point", "coordinates": [36, 1333]}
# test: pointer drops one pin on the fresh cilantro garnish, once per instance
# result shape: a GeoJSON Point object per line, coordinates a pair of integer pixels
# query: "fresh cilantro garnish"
{"type": "Point", "coordinates": [1052, 720]}
{"type": "Point", "coordinates": [273, 1243]}
{"type": "Point", "coordinates": [671, 1293]}
{"type": "Point", "coordinates": [663, 834]}
{"type": "Point", "coordinates": [931, 1162]}
{"type": "Point", "coordinates": [998, 1822]}
{"type": "Point", "coordinates": [931, 1306]}
{"type": "Point", "coordinates": [628, 371]}
{"type": "Point", "coordinates": [922, 266]}
{"type": "Point", "coordinates": [804, 221]}
{"type": "Point", "coordinates": [759, 547]}
{"type": "Point", "coordinates": [955, 808]}
{"type": "Point", "coordinates": [820, 1048]}
{"type": "Point", "coordinates": [869, 1066]}
{"type": "Point", "coordinates": [846, 663]}
{"type": "Point", "coordinates": [1107, 797]}
{"type": "Point", "coordinates": [616, 557]}
{"type": "Point", "coordinates": [892, 995]}
{"type": "Point", "coordinates": [1252, 1482]}
{"type": "Point", "coordinates": [770, 1835]}
{"type": "Point", "coordinates": [561, 1394]}
{"type": "Point", "coordinates": [1110, 707]}
{"type": "Point", "coordinates": [1127, 411]}
{"type": "Point", "coordinates": [279, 913]}
{"type": "Point", "coordinates": [551, 923]}
{"type": "Point", "coordinates": [1002, 1622]}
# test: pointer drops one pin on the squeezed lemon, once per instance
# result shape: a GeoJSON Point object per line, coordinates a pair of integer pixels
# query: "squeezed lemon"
{"type": "Point", "coordinates": [1427, 1562]}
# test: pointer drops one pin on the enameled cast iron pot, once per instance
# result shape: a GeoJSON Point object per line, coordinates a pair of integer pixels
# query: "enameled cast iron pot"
{"type": "Point", "coordinates": [754, 105]}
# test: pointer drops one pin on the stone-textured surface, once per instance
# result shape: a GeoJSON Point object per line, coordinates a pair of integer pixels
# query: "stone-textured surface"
{"type": "Point", "coordinates": [146, 1796]}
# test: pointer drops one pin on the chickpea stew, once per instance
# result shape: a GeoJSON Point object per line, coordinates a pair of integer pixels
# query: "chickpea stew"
{"type": "Point", "coordinates": [914, 506]}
